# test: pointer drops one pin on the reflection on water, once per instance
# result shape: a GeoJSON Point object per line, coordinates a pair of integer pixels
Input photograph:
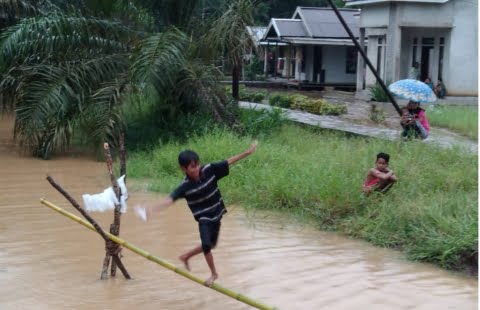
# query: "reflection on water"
{"type": "Point", "coordinates": [50, 262]}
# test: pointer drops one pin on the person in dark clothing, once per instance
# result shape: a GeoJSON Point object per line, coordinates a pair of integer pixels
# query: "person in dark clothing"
{"type": "Point", "coordinates": [203, 197]}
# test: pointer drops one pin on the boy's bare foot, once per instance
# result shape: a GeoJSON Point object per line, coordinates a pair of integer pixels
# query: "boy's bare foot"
{"type": "Point", "coordinates": [184, 260]}
{"type": "Point", "coordinates": [209, 281]}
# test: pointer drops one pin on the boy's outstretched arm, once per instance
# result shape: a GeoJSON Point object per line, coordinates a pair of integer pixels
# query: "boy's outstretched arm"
{"type": "Point", "coordinates": [162, 204]}
{"type": "Point", "coordinates": [145, 212]}
{"type": "Point", "coordinates": [236, 158]}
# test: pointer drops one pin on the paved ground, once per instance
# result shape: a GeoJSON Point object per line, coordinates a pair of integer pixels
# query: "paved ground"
{"type": "Point", "coordinates": [356, 121]}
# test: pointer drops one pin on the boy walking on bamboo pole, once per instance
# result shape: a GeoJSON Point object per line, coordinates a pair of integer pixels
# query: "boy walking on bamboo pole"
{"type": "Point", "coordinates": [203, 197]}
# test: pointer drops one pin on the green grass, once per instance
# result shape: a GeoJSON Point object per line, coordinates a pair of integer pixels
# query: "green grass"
{"type": "Point", "coordinates": [431, 214]}
{"type": "Point", "coordinates": [461, 119]}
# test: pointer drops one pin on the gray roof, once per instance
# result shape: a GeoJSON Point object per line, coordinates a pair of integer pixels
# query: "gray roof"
{"type": "Point", "coordinates": [310, 22]}
{"type": "Point", "coordinates": [324, 23]}
{"type": "Point", "coordinates": [362, 2]}
{"type": "Point", "coordinates": [290, 27]}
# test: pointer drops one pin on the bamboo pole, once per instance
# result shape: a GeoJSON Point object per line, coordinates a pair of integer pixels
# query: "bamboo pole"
{"type": "Point", "coordinates": [160, 261]}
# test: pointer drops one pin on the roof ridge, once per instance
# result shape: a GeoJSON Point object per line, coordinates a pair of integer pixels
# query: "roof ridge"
{"type": "Point", "coordinates": [327, 8]}
{"type": "Point", "coordinates": [288, 19]}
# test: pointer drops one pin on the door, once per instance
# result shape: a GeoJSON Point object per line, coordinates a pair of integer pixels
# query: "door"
{"type": "Point", "coordinates": [318, 77]}
{"type": "Point", "coordinates": [426, 58]}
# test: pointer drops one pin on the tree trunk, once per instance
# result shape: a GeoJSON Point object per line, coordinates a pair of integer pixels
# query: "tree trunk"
{"type": "Point", "coordinates": [236, 81]}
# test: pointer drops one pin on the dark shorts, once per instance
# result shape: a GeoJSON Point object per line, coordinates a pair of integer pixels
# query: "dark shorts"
{"type": "Point", "coordinates": [209, 232]}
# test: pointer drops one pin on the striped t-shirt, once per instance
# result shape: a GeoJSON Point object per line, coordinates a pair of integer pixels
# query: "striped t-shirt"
{"type": "Point", "coordinates": [203, 196]}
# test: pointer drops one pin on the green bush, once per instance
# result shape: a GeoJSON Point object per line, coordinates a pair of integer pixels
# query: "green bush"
{"type": "Point", "coordinates": [316, 106]}
{"type": "Point", "coordinates": [376, 114]}
{"type": "Point", "coordinates": [280, 100]}
{"type": "Point", "coordinates": [246, 94]}
{"type": "Point", "coordinates": [254, 69]}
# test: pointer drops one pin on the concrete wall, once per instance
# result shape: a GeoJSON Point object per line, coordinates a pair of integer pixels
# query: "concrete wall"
{"type": "Point", "coordinates": [426, 14]}
{"type": "Point", "coordinates": [409, 14]}
{"type": "Point", "coordinates": [461, 78]}
{"type": "Point", "coordinates": [334, 63]}
{"type": "Point", "coordinates": [374, 15]}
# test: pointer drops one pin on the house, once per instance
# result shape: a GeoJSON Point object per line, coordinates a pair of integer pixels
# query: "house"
{"type": "Point", "coordinates": [312, 47]}
{"type": "Point", "coordinates": [441, 36]}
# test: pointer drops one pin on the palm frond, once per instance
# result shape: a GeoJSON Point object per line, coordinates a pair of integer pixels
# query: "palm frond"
{"type": "Point", "coordinates": [103, 121]}
{"type": "Point", "coordinates": [56, 97]}
{"type": "Point", "coordinates": [199, 84]}
{"type": "Point", "coordinates": [229, 32]}
{"type": "Point", "coordinates": [59, 35]}
{"type": "Point", "coordinates": [158, 60]}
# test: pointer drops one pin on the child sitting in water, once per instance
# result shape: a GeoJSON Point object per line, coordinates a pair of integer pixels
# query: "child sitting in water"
{"type": "Point", "coordinates": [379, 179]}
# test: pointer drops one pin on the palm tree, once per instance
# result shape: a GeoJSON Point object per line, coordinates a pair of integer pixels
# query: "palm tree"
{"type": "Point", "coordinates": [229, 34]}
{"type": "Point", "coordinates": [70, 72]}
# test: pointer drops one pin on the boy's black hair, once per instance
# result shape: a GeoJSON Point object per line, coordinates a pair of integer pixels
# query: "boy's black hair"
{"type": "Point", "coordinates": [186, 157]}
{"type": "Point", "coordinates": [384, 156]}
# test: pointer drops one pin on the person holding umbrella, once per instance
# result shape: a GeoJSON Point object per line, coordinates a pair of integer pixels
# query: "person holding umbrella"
{"type": "Point", "coordinates": [415, 121]}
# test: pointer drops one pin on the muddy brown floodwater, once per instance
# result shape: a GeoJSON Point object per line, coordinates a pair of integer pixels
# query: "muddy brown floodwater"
{"type": "Point", "coordinates": [48, 261]}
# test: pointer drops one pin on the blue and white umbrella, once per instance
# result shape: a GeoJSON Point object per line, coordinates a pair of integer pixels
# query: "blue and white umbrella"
{"type": "Point", "coordinates": [412, 90]}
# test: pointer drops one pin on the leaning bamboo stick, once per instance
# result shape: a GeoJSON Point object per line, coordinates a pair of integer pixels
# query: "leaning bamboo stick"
{"type": "Point", "coordinates": [161, 261]}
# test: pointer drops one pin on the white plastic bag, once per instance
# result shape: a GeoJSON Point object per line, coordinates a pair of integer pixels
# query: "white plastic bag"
{"type": "Point", "coordinates": [107, 199]}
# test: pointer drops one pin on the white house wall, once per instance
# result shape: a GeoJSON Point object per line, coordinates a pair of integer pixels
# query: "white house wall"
{"type": "Point", "coordinates": [334, 62]}
{"type": "Point", "coordinates": [375, 16]}
{"type": "Point", "coordinates": [408, 14]}
{"type": "Point", "coordinates": [420, 14]}
{"type": "Point", "coordinates": [461, 77]}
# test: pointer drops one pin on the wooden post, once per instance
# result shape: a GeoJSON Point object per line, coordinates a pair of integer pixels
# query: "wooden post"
{"type": "Point", "coordinates": [123, 157]}
{"type": "Point", "coordinates": [115, 226]}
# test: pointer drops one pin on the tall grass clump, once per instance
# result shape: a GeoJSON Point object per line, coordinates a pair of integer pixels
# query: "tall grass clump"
{"type": "Point", "coordinates": [431, 213]}
{"type": "Point", "coordinates": [150, 123]}
{"type": "Point", "coordinates": [377, 93]}
{"type": "Point", "coordinates": [462, 119]}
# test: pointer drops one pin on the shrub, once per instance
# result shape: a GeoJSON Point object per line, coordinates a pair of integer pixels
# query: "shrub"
{"type": "Point", "coordinates": [377, 93]}
{"type": "Point", "coordinates": [317, 106]}
{"type": "Point", "coordinates": [280, 100]}
{"type": "Point", "coordinates": [376, 114]}
{"type": "Point", "coordinates": [254, 69]}
{"type": "Point", "coordinates": [246, 94]}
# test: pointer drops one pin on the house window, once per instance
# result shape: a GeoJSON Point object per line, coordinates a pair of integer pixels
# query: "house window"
{"type": "Point", "coordinates": [440, 57]}
{"type": "Point", "coordinates": [381, 50]}
{"type": "Point", "coordinates": [428, 41]}
{"type": "Point", "coordinates": [351, 60]}
{"type": "Point", "coordinates": [414, 51]}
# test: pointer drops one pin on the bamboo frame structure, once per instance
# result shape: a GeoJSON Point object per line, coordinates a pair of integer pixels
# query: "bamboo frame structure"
{"type": "Point", "coordinates": [110, 247]}
{"type": "Point", "coordinates": [160, 261]}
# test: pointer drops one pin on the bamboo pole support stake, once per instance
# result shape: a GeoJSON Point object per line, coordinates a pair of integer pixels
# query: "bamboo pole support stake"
{"type": "Point", "coordinates": [217, 287]}
{"type": "Point", "coordinates": [115, 226]}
